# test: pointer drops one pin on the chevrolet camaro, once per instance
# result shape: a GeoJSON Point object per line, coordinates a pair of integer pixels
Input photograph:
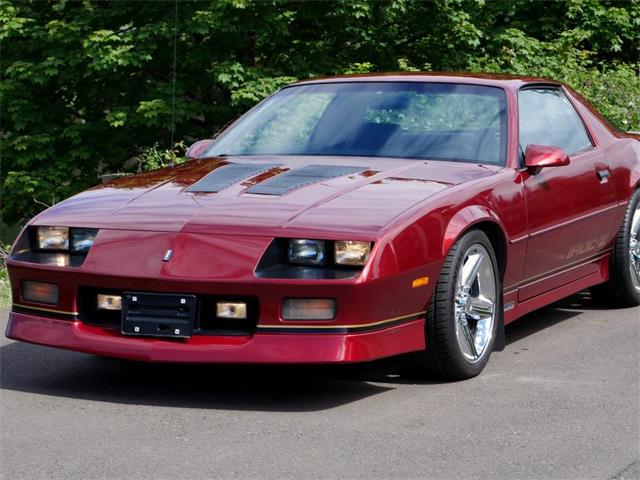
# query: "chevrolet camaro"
{"type": "Point", "coordinates": [345, 219]}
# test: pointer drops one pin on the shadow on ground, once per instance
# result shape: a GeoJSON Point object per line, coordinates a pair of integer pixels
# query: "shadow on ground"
{"type": "Point", "coordinates": [49, 371]}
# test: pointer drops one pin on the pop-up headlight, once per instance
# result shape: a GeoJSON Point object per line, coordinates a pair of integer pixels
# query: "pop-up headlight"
{"type": "Point", "coordinates": [74, 240]}
{"type": "Point", "coordinates": [82, 239]}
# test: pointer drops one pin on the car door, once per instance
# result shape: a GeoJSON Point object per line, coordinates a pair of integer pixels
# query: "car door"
{"type": "Point", "coordinates": [569, 208]}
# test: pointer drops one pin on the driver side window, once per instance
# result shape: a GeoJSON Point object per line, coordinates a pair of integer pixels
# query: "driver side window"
{"type": "Point", "coordinates": [547, 118]}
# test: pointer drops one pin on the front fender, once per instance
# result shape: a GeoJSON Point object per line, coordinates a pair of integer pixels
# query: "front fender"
{"type": "Point", "coordinates": [463, 220]}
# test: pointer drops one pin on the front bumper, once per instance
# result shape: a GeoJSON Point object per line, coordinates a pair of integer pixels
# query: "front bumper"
{"type": "Point", "coordinates": [306, 348]}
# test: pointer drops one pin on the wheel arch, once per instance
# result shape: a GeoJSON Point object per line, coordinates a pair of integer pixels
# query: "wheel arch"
{"type": "Point", "coordinates": [480, 218]}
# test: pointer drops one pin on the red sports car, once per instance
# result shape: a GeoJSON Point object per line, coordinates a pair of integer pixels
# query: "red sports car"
{"type": "Point", "coordinates": [344, 220]}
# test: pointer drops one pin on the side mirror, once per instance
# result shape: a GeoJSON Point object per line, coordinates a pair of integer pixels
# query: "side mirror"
{"type": "Point", "coordinates": [198, 149]}
{"type": "Point", "coordinates": [541, 156]}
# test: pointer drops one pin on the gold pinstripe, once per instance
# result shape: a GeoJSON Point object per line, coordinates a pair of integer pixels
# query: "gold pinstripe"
{"type": "Point", "coordinates": [40, 309]}
{"type": "Point", "coordinates": [361, 325]}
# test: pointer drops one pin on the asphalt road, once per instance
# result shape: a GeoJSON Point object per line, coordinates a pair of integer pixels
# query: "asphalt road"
{"type": "Point", "coordinates": [562, 401]}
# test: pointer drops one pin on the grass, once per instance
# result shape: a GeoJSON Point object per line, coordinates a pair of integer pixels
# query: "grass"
{"type": "Point", "coordinates": [5, 289]}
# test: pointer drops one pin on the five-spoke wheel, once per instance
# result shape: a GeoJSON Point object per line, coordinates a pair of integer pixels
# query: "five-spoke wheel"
{"type": "Point", "coordinates": [474, 303]}
{"type": "Point", "coordinates": [463, 315]}
{"type": "Point", "coordinates": [634, 249]}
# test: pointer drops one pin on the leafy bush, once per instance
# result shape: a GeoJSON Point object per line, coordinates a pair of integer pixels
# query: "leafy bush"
{"type": "Point", "coordinates": [5, 288]}
{"type": "Point", "coordinates": [87, 88]}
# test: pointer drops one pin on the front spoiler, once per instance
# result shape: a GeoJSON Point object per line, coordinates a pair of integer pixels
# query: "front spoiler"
{"type": "Point", "coordinates": [276, 348]}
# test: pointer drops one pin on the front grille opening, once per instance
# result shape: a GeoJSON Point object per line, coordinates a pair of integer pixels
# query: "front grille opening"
{"type": "Point", "coordinates": [206, 322]}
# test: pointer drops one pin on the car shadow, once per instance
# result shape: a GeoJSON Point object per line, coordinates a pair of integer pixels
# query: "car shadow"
{"type": "Point", "coordinates": [550, 315]}
{"type": "Point", "coordinates": [48, 371]}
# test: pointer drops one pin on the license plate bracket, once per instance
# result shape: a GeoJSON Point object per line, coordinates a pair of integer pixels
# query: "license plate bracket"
{"type": "Point", "coordinates": [158, 314]}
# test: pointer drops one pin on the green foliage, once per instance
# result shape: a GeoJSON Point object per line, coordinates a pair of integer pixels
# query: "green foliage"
{"type": "Point", "coordinates": [87, 88]}
{"type": "Point", "coordinates": [155, 157]}
{"type": "Point", "coordinates": [5, 287]}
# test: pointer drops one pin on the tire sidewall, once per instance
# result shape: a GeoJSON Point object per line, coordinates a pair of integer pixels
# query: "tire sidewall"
{"type": "Point", "coordinates": [469, 239]}
{"type": "Point", "coordinates": [628, 220]}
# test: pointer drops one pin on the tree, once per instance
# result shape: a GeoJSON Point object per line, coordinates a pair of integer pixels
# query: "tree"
{"type": "Point", "coordinates": [88, 89]}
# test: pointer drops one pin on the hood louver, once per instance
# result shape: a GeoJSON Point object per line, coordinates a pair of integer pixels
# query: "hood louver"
{"type": "Point", "coordinates": [224, 177]}
{"type": "Point", "coordinates": [292, 179]}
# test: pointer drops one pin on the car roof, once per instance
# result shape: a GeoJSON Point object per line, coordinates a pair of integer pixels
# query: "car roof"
{"type": "Point", "coordinates": [491, 79]}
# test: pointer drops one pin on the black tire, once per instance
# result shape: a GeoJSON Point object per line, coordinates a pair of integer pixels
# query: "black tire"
{"type": "Point", "coordinates": [620, 291]}
{"type": "Point", "coordinates": [443, 356]}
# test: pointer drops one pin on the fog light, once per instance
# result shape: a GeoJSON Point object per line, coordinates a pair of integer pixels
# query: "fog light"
{"type": "Point", "coordinates": [235, 310]}
{"type": "Point", "coordinates": [109, 302]}
{"type": "Point", "coordinates": [39, 292]}
{"type": "Point", "coordinates": [308, 309]}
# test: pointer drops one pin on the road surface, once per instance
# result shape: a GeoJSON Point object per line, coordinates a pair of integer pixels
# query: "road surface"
{"type": "Point", "coordinates": [561, 401]}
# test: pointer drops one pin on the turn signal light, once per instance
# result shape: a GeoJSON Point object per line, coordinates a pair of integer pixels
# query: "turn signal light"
{"type": "Point", "coordinates": [308, 309]}
{"type": "Point", "coordinates": [109, 302]}
{"type": "Point", "coordinates": [39, 292]}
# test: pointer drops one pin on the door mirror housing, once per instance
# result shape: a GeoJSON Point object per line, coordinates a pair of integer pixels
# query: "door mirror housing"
{"type": "Point", "coordinates": [198, 149]}
{"type": "Point", "coordinates": [542, 156]}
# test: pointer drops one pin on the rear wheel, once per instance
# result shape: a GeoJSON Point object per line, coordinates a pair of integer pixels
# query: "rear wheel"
{"type": "Point", "coordinates": [623, 287]}
{"type": "Point", "coordinates": [462, 319]}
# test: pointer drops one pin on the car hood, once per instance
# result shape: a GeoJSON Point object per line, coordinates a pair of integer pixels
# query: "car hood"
{"type": "Point", "coordinates": [266, 195]}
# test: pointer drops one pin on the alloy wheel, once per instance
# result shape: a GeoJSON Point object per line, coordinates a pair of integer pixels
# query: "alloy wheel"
{"type": "Point", "coordinates": [475, 303]}
{"type": "Point", "coordinates": [634, 249]}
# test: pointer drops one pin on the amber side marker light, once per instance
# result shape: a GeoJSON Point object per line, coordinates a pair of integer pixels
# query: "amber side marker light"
{"type": "Point", "coordinates": [39, 292]}
{"type": "Point", "coordinates": [420, 282]}
{"type": "Point", "coordinates": [308, 309]}
{"type": "Point", "coordinates": [109, 302]}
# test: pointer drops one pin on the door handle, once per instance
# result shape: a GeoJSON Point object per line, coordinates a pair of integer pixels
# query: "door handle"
{"type": "Point", "coordinates": [603, 175]}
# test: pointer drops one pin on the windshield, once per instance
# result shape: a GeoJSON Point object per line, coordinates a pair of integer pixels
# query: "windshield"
{"type": "Point", "coordinates": [438, 121]}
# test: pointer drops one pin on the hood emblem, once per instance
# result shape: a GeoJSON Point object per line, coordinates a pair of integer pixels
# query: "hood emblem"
{"type": "Point", "coordinates": [167, 255]}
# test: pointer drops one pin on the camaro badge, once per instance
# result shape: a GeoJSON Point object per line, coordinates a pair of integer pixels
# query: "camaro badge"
{"type": "Point", "coordinates": [167, 255]}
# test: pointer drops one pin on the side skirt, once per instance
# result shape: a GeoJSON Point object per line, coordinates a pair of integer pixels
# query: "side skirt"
{"type": "Point", "coordinates": [513, 309]}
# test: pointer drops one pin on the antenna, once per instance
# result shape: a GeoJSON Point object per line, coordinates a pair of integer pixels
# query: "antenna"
{"type": "Point", "coordinates": [173, 97]}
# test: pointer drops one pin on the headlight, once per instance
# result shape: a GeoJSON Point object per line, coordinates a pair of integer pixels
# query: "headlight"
{"type": "Point", "coordinates": [353, 253]}
{"type": "Point", "coordinates": [52, 238]}
{"type": "Point", "coordinates": [82, 239]}
{"type": "Point", "coordinates": [307, 252]}
{"type": "Point", "coordinates": [75, 240]}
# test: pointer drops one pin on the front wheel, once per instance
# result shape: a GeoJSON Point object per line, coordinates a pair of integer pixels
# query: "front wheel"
{"type": "Point", "coordinates": [462, 319]}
